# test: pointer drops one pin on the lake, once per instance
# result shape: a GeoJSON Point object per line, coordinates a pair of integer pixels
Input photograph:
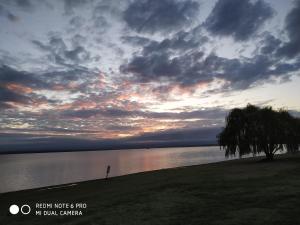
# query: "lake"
{"type": "Point", "coordinates": [32, 170]}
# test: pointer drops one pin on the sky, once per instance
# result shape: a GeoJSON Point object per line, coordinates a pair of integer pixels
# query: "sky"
{"type": "Point", "coordinates": [102, 74]}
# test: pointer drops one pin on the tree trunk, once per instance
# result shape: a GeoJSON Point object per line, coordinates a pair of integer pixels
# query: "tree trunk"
{"type": "Point", "coordinates": [269, 156]}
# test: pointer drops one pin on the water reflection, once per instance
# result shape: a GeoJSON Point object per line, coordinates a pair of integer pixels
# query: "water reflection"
{"type": "Point", "coordinates": [24, 171]}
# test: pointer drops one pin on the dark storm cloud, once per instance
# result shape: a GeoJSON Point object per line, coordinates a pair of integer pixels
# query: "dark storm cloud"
{"type": "Point", "coordinates": [154, 67]}
{"type": "Point", "coordinates": [236, 18]}
{"type": "Point", "coordinates": [160, 16]}
{"type": "Point", "coordinates": [14, 84]}
{"type": "Point", "coordinates": [181, 41]}
{"type": "Point", "coordinates": [59, 53]}
{"type": "Point", "coordinates": [44, 80]}
{"type": "Point", "coordinates": [270, 44]}
{"type": "Point", "coordinates": [9, 75]}
{"type": "Point", "coordinates": [184, 69]}
{"type": "Point", "coordinates": [179, 60]}
{"type": "Point", "coordinates": [173, 58]}
{"type": "Point", "coordinates": [18, 86]}
{"type": "Point", "coordinates": [11, 96]}
{"type": "Point", "coordinates": [81, 77]}
{"type": "Point", "coordinates": [193, 68]}
{"type": "Point", "coordinates": [292, 21]}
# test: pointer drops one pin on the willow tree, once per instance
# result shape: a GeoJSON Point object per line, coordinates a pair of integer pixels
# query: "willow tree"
{"type": "Point", "coordinates": [259, 130]}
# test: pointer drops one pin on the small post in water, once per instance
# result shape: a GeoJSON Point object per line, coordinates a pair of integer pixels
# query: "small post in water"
{"type": "Point", "coordinates": [107, 171]}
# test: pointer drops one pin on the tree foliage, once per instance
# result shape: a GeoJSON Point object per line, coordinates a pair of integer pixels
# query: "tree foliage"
{"type": "Point", "coordinates": [255, 130]}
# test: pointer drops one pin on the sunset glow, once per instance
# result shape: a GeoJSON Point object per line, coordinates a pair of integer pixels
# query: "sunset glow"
{"type": "Point", "coordinates": [105, 71]}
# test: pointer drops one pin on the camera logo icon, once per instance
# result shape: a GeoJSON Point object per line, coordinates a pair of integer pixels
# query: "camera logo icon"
{"type": "Point", "coordinates": [14, 209]}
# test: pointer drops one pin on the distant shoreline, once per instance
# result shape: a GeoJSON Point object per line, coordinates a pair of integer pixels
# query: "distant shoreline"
{"type": "Point", "coordinates": [105, 149]}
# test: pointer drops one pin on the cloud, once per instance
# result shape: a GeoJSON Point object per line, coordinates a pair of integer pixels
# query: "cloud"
{"type": "Point", "coordinates": [63, 77]}
{"type": "Point", "coordinates": [172, 59]}
{"type": "Point", "coordinates": [25, 4]}
{"type": "Point", "coordinates": [7, 96]}
{"type": "Point", "coordinates": [192, 68]}
{"type": "Point", "coordinates": [16, 87]}
{"type": "Point", "coordinates": [9, 75]}
{"type": "Point", "coordinates": [4, 105]}
{"type": "Point", "coordinates": [8, 14]}
{"type": "Point", "coordinates": [152, 52]}
{"type": "Point", "coordinates": [183, 137]}
{"type": "Point", "coordinates": [59, 53]}
{"type": "Point", "coordinates": [160, 16]}
{"type": "Point", "coordinates": [22, 4]}
{"type": "Point", "coordinates": [270, 44]}
{"type": "Point", "coordinates": [186, 136]}
{"type": "Point", "coordinates": [71, 5]}
{"type": "Point", "coordinates": [239, 19]}
{"type": "Point", "coordinates": [180, 61]}
{"type": "Point", "coordinates": [135, 40]}
{"type": "Point", "coordinates": [20, 86]}
{"type": "Point", "coordinates": [292, 21]}
{"type": "Point", "coordinates": [76, 22]}
{"type": "Point", "coordinates": [44, 80]}
{"type": "Point", "coordinates": [181, 41]}
{"type": "Point", "coordinates": [213, 113]}
{"type": "Point", "coordinates": [88, 113]}
{"type": "Point", "coordinates": [12, 17]}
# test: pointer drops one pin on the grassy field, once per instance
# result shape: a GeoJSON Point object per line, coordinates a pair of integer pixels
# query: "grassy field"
{"type": "Point", "coordinates": [240, 192]}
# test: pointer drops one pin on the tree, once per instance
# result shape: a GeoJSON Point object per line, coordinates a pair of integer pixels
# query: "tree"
{"type": "Point", "coordinates": [255, 130]}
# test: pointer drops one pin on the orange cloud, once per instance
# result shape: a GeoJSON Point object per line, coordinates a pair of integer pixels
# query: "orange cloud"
{"type": "Point", "coordinates": [19, 88]}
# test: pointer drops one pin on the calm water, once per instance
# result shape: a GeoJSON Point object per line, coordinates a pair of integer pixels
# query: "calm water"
{"type": "Point", "coordinates": [25, 171]}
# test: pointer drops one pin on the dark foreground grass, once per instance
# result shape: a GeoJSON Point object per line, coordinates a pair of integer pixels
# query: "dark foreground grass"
{"type": "Point", "coordinates": [240, 192]}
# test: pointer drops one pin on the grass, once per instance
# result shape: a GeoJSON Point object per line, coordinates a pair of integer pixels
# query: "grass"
{"type": "Point", "coordinates": [241, 192]}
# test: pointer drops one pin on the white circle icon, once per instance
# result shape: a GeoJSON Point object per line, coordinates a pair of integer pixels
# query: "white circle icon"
{"type": "Point", "coordinates": [14, 209]}
{"type": "Point", "coordinates": [25, 209]}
